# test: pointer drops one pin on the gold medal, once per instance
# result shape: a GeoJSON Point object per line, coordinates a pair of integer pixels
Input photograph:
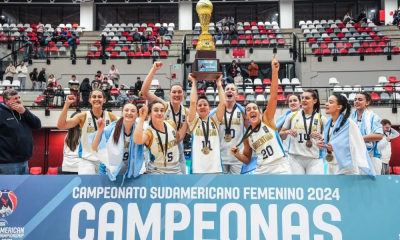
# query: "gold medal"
{"type": "Point", "coordinates": [309, 143]}
{"type": "Point", "coordinates": [206, 150]}
{"type": "Point", "coordinates": [228, 137]}
{"type": "Point", "coordinates": [329, 157]}
{"type": "Point", "coordinates": [236, 150]}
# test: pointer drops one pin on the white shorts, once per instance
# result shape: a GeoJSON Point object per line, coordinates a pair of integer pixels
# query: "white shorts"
{"type": "Point", "coordinates": [87, 167]}
{"type": "Point", "coordinates": [232, 168]}
{"type": "Point", "coordinates": [377, 164]}
{"type": "Point", "coordinates": [305, 166]}
{"type": "Point", "coordinates": [280, 167]}
{"type": "Point", "coordinates": [333, 169]}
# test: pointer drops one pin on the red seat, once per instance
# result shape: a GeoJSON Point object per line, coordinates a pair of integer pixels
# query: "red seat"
{"type": "Point", "coordinates": [66, 44]}
{"type": "Point", "coordinates": [114, 91]}
{"type": "Point", "coordinates": [1, 99]}
{"type": "Point", "coordinates": [327, 52]}
{"type": "Point", "coordinates": [265, 42]}
{"type": "Point", "coordinates": [378, 50]}
{"type": "Point", "coordinates": [35, 171]}
{"type": "Point", "coordinates": [341, 26]}
{"type": "Point", "coordinates": [257, 42]}
{"type": "Point", "coordinates": [240, 99]}
{"type": "Point", "coordinates": [139, 54]}
{"type": "Point", "coordinates": [259, 90]}
{"type": "Point", "coordinates": [125, 34]}
{"type": "Point", "coordinates": [96, 44]}
{"type": "Point", "coordinates": [323, 46]}
{"type": "Point", "coordinates": [360, 30]}
{"type": "Point", "coordinates": [344, 51]}
{"type": "Point", "coordinates": [33, 25]}
{"type": "Point", "coordinates": [250, 42]}
{"type": "Point", "coordinates": [163, 54]}
{"type": "Point", "coordinates": [329, 30]}
{"type": "Point", "coordinates": [261, 27]}
{"type": "Point", "coordinates": [51, 44]}
{"type": "Point", "coordinates": [281, 98]}
{"type": "Point", "coordinates": [253, 24]}
{"type": "Point", "coordinates": [340, 35]}
{"type": "Point", "coordinates": [200, 91]}
{"type": "Point", "coordinates": [114, 54]}
{"type": "Point", "coordinates": [280, 90]}
{"type": "Point", "coordinates": [271, 36]}
{"type": "Point", "coordinates": [270, 31]}
{"type": "Point", "coordinates": [385, 38]}
{"type": "Point", "coordinates": [281, 42]}
{"type": "Point", "coordinates": [328, 40]}
{"type": "Point", "coordinates": [367, 29]}
{"type": "Point", "coordinates": [75, 25]}
{"type": "Point", "coordinates": [369, 50]}
{"type": "Point", "coordinates": [364, 45]}
{"type": "Point", "coordinates": [267, 81]}
{"type": "Point", "coordinates": [113, 43]}
{"type": "Point", "coordinates": [234, 42]}
{"type": "Point", "coordinates": [249, 37]}
{"type": "Point", "coordinates": [52, 171]}
{"type": "Point", "coordinates": [130, 39]}
{"type": "Point", "coordinates": [393, 79]}
{"type": "Point", "coordinates": [372, 34]}
{"type": "Point", "coordinates": [396, 50]}
{"type": "Point", "coordinates": [348, 45]}
{"type": "Point", "coordinates": [109, 49]}
{"type": "Point", "coordinates": [375, 97]}
{"type": "Point", "coordinates": [382, 44]}
{"type": "Point", "coordinates": [377, 39]}
{"type": "Point", "coordinates": [147, 54]}
{"type": "Point", "coordinates": [242, 37]}
{"type": "Point", "coordinates": [389, 88]}
{"type": "Point", "coordinates": [97, 55]}
{"type": "Point", "coordinates": [373, 44]}
{"type": "Point", "coordinates": [311, 41]}
{"type": "Point", "coordinates": [131, 54]}
{"type": "Point", "coordinates": [125, 49]}
{"type": "Point", "coordinates": [90, 55]}
{"type": "Point", "coordinates": [396, 170]}
{"type": "Point", "coordinates": [318, 52]}
{"type": "Point", "coordinates": [356, 25]}
{"type": "Point", "coordinates": [194, 43]}
{"type": "Point", "coordinates": [54, 49]}
{"type": "Point", "coordinates": [391, 170]}
{"type": "Point", "coordinates": [150, 25]}
{"type": "Point", "coordinates": [247, 28]}
{"type": "Point", "coordinates": [339, 45]}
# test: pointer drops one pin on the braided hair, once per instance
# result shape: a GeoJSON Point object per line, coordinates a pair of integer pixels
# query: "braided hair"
{"type": "Point", "coordinates": [346, 108]}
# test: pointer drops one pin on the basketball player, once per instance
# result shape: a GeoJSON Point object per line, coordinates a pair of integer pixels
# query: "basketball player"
{"type": "Point", "coordinates": [115, 146]}
{"type": "Point", "coordinates": [341, 137]}
{"type": "Point", "coordinates": [174, 110]}
{"type": "Point", "coordinates": [263, 136]}
{"type": "Point", "coordinates": [370, 127]}
{"type": "Point", "coordinates": [294, 105]}
{"type": "Point", "coordinates": [89, 164]}
{"type": "Point", "coordinates": [385, 145]}
{"type": "Point", "coordinates": [162, 139]}
{"type": "Point", "coordinates": [305, 128]}
{"type": "Point", "coordinates": [231, 130]}
{"type": "Point", "coordinates": [206, 155]}
{"type": "Point", "coordinates": [71, 146]}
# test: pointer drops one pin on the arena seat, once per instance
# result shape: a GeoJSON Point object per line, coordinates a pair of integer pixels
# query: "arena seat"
{"type": "Point", "coordinates": [35, 171]}
{"type": "Point", "coordinates": [52, 171]}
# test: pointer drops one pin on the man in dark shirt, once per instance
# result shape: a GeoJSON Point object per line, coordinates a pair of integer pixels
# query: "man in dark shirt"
{"type": "Point", "coordinates": [159, 92]}
{"type": "Point", "coordinates": [362, 17]}
{"type": "Point", "coordinates": [106, 87]}
{"type": "Point", "coordinates": [162, 32]}
{"type": "Point", "coordinates": [42, 79]}
{"type": "Point", "coordinates": [96, 82]}
{"type": "Point", "coordinates": [138, 86]}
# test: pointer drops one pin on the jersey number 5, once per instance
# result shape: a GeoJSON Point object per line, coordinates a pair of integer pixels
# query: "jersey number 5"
{"type": "Point", "coordinates": [267, 152]}
{"type": "Point", "coordinates": [169, 155]}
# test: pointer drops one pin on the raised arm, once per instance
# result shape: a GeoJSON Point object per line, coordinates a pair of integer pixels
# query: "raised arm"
{"type": "Point", "coordinates": [147, 83]}
{"type": "Point", "coordinates": [244, 157]}
{"type": "Point", "coordinates": [193, 98]}
{"type": "Point", "coordinates": [139, 136]}
{"type": "Point", "coordinates": [269, 113]}
{"type": "Point", "coordinates": [63, 122]}
{"type": "Point", "coordinates": [222, 101]}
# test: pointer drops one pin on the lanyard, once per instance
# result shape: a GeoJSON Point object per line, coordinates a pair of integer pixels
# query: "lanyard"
{"type": "Point", "coordinates": [229, 124]}
{"type": "Point", "coordinates": [161, 144]}
{"type": "Point", "coordinates": [249, 131]}
{"type": "Point", "coordinates": [205, 130]}
{"type": "Point", "coordinates": [329, 136]}
{"type": "Point", "coordinates": [178, 124]}
{"type": "Point", "coordinates": [94, 117]}
{"type": "Point", "coordinates": [305, 123]}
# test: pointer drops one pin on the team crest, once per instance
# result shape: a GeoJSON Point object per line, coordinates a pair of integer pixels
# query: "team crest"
{"type": "Point", "coordinates": [8, 202]}
{"type": "Point", "coordinates": [315, 121]}
{"type": "Point", "coordinates": [107, 122]}
{"type": "Point", "coordinates": [183, 118]}
{"type": "Point", "coordinates": [238, 115]}
{"type": "Point", "coordinates": [265, 129]}
{"type": "Point", "coordinates": [173, 133]}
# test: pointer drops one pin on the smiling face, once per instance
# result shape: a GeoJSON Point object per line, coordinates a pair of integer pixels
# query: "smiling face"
{"type": "Point", "coordinates": [308, 101]}
{"type": "Point", "coordinates": [360, 102]}
{"type": "Point", "coordinates": [129, 113]}
{"type": "Point", "coordinates": [97, 99]}
{"type": "Point", "coordinates": [332, 106]}
{"type": "Point", "coordinates": [253, 114]}
{"type": "Point", "coordinates": [203, 108]}
{"type": "Point", "coordinates": [14, 99]}
{"type": "Point", "coordinates": [176, 94]}
{"type": "Point", "coordinates": [231, 93]}
{"type": "Point", "coordinates": [157, 112]}
{"type": "Point", "coordinates": [294, 103]}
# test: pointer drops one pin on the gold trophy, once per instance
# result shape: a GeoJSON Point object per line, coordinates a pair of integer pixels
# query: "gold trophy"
{"type": "Point", "coordinates": [206, 65]}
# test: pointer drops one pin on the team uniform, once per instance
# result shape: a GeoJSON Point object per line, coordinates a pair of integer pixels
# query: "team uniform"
{"type": "Point", "coordinates": [90, 162]}
{"type": "Point", "coordinates": [230, 163]}
{"type": "Point", "coordinates": [385, 149]}
{"type": "Point", "coordinates": [303, 159]}
{"type": "Point", "coordinates": [201, 162]}
{"type": "Point", "coordinates": [70, 160]}
{"type": "Point", "coordinates": [271, 158]}
{"type": "Point", "coordinates": [180, 119]}
{"type": "Point", "coordinates": [279, 123]}
{"type": "Point", "coordinates": [369, 124]}
{"type": "Point", "coordinates": [166, 162]}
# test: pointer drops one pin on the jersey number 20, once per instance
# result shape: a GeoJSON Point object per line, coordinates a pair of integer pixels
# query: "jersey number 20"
{"type": "Point", "coordinates": [267, 152]}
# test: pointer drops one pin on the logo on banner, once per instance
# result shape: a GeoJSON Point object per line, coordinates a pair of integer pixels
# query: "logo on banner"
{"type": "Point", "coordinates": [8, 202]}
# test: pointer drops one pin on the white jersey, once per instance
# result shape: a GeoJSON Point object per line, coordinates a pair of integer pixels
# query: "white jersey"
{"type": "Point", "coordinates": [297, 145]}
{"type": "Point", "coordinates": [267, 145]}
{"type": "Point", "coordinates": [180, 118]}
{"type": "Point", "coordinates": [237, 130]}
{"type": "Point", "coordinates": [89, 126]}
{"type": "Point", "coordinates": [70, 159]}
{"type": "Point", "coordinates": [125, 158]}
{"type": "Point", "coordinates": [159, 163]}
{"type": "Point", "coordinates": [205, 163]}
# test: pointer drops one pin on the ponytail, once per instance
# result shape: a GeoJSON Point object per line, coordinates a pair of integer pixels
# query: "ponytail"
{"type": "Point", "coordinates": [315, 95]}
{"type": "Point", "coordinates": [117, 130]}
{"type": "Point", "coordinates": [73, 136]}
{"type": "Point", "coordinates": [346, 108]}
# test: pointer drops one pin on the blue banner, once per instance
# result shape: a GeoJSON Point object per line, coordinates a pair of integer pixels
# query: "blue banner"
{"type": "Point", "coordinates": [207, 65]}
{"type": "Point", "coordinates": [200, 207]}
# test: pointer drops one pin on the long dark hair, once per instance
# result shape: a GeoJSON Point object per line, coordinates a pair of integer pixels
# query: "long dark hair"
{"type": "Point", "coordinates": [367, 97]}
{"type": "Point", "coordinates": [315, 95]}
{"type": "Point", "coordinates": [346, 108]}
{"type": "Point", "coordinates": [295, 95]}
{"type": "Point", "coordinates": [73, 136]}
{"type": "Point", "coordinates": [118, 125]}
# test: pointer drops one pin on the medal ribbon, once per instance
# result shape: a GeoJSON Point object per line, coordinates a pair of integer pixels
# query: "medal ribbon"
{"type": "Point", "coordinates": [205, 130]}
{"type": "Point", "coordinates": [94, 117]}
{"type": "Point", "coordinates": [229, 124]}
{"type": "Point", "coordinates": [178, 124]}
{"type": "Point", "coordinates": [161, 143]}
{"type": "Point", "coordinates": [305, 123]}
{"type": "Point", "coordinates": [249, 131]}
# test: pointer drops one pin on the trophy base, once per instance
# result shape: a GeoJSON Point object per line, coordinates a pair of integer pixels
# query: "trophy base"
{"type": "Point", "coordinates": [208, 76]}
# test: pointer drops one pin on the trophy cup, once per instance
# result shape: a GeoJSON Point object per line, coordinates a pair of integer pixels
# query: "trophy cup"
{"type": "Point", "coordinates": [206, 65]}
